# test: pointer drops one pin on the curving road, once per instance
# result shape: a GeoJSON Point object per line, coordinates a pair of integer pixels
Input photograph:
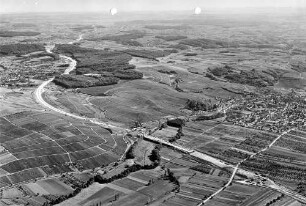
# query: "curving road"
{"type": "Point", "coordinates": [40, 90]}
{"type": "Point", "coordinates": [72, 65]}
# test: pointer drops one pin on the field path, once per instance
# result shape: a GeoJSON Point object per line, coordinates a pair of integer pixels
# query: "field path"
{"type": "Point", "coordinates": [264, 181]}
{"type": "Point", "coordinates": [222, 188]}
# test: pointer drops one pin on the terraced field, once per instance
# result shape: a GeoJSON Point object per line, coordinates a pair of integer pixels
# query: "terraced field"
{"type": "Point", "coordinates": [36, 145]}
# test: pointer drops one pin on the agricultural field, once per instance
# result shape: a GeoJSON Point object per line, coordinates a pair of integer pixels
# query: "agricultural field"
{"type": "Point", "coordinates": [38, 145]}
{"type": "Point", "coordinates": [197, 180]}
{"type": "Point", "coordinates": [226, 142]}
{"type": "Point", "coordinates": [287, 154]}
{"type": "Point", "coordinates": [148, 101]}
{"type": "Point", "coordinates": [238, 194]}
{"type": "Point", "coordinates": [136, 189]}
{"type": "Point", "coordinates": [159, 109]}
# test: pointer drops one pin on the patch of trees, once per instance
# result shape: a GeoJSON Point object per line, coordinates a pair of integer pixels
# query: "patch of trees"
{"type": "Point", "coordinates": [134, 34]}
{"type": "Point", "coordinates": [221, 71]}
{"type": "Point", "coordinates": [178, 135]}
{"type": "Point", "coordinates": [125, 39]}
{"type": "Point", "coordinates": [301, 188]}
{"type": "Point", "coordinates": [165, 71]}
{"type": "Point", "coordinates": [178, 122]}
{"type": "Point", "coordinates": [197, 105]}
{"type": "Point", "coordinates": [215, 115]}
{"type": "Point", "coordinates": [133, 168]}
{"type": "Point", "coordinates": [20, 49]}
{"type": "Point", "coordinates": [95, 61]}
{"type": "Point", "coordinates": [63, 65]}
{"type": "Point", "coordinates": [82, 28]}
{"type": "Point", "coordinates": [178, 46]}
{"type": "Point", "coordinates": [274, 200]}
{"type": "Point", "coordinates": [169, 175]}
{"type": "Point", "coordinates": [93, 91]}
{"type": "Point", "coordinates": [131, 43]}
{"type": "Point", "coordinates": [124, 173]}
{"type": "Point", "coordinates": [128, 74]}
{"type": "Point", "coordinates": [171, 38]}
{"type": "Point", "coordinates": [23, 25]}
{"type": "Point", "coordinates": [276, 170]}
{"type": "Point", "coordinates": [100, 26]}
{"type": "Point", "coordinates": [53, 199]}
{"type": "Point", "coordinates": [70, 49]}
{"type": "Point", "coordinates": [130, 153]}
{"type": "Point", "coordinates": [43, 54]}
{"type": "Point", "coordinates": [18, 33]}
{"type": "Point", "coordinates": [149, 54]}
{"type": "Point", "coordinates": [190, 54]}
{"type": "Point", "coordinates": [3, 67]}
{"type": "Point", "coordinates": [77, 81]}
{"type": "Point", "coordinates": [252, 78]}
{"type": "Point", "coordinates": [162, 27]}
{"type": "Point", "coordinates": [207, 43]}
{"type": "Point", "coordinates": [210, 76]}
{"type": "Point", "coordinates": [109, 66]}
{"type": "Point", "coordinates": [155, 155]}
{"type": "Point", "coordinates": [171, 51]}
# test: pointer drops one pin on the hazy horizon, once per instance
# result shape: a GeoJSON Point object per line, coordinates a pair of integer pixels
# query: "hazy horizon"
{"type": "Point", "coordinates": [16, 6]}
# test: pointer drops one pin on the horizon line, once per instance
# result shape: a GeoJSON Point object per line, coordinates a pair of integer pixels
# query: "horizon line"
{"type": "Point", "coordinates": [154, 11]}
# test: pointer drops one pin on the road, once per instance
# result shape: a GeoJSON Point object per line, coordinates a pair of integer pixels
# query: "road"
{"type": "Point", "coordinates": [72, 65]}
{"type": "Point", "coordinates": [222, 188]}
{"type": "Point", "coordinates": [38, 94]}
{"type": "Point", "coordinates": [235, 168]}
{"type": "Point", "coordinates": [40, 90]}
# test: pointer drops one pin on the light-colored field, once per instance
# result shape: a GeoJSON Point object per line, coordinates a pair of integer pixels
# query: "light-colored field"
{"type": "Point", "coordinates": [129, 184]}
{"type": "Point", "coordinates": [84, 194]}
{"type": "Point", "coordinates": [54, 186]}
{"type": "Point", "coordinates": [18, 100]}
{"type": "Point", "coordinates": [37, 189]}
{"type": "Point", "coordinates": [6, 158]}
{"type": "Point", "coordinates": [103, 196]}
{"type": "Point", "coordinates": [142, 151]}
{"type": "Point", "coordinates": [11, 193]}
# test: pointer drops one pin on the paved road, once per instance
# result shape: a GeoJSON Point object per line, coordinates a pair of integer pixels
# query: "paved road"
{"type": "Point", "coordinates": [72, 65]}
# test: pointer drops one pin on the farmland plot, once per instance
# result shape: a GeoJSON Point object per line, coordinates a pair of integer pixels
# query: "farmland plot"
{"type": "Point", "coordinates": [36, 148]}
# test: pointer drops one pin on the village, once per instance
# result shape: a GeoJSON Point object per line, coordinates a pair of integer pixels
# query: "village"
{"type": "Point", "coordinates": [273, 111]}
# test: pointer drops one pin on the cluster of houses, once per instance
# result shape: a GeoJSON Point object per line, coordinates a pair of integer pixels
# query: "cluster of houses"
{"type": "Point", "coordinates": [273, 112]}
{"type": "Point", "coordinates": [21, 76]}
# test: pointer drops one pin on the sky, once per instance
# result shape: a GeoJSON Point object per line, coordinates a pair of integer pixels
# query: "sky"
{"type": "Point", "coordinates": [9, 6]}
